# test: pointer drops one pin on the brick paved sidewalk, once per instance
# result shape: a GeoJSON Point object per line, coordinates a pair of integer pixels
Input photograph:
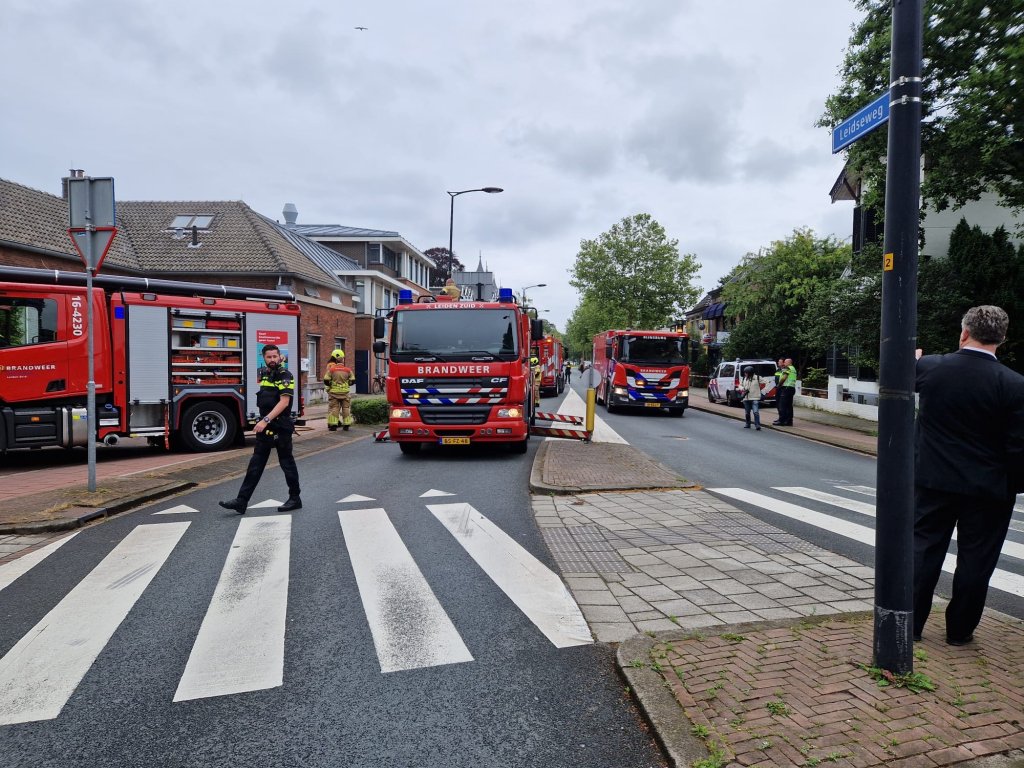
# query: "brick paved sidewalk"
{"type": "Point", "coordinates": [751, 639]}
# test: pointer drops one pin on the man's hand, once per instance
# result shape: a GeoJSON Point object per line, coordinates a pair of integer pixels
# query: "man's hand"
{"type": "Point", "coordinates": [918, 353]}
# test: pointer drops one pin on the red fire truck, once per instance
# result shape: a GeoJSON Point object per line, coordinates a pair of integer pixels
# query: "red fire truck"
{"type": "Point", "coordinates": [459, 371]}
{"type": "Point", "coordinates": [552, 361]}
{"type": "Point", "coordinates": [175, 362]}
{"type": "Point", "coordinates": [643, 369]}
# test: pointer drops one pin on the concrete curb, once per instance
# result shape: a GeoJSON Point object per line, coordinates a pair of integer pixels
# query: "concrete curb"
{"type": "Point", "coordinates": [122, 504]}
{"type": "Point", "coordinates": [659, 707]}
{"type": "Point", "coordinates": [806, 434]}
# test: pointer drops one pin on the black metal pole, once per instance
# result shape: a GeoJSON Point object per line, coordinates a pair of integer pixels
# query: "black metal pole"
{"type": "Point", "coordinates": [894, 527]}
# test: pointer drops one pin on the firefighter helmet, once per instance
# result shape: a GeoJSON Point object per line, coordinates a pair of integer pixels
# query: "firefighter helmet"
{"type": "Point", "coordinates": [338, 354]}
{"type": "Point", "coordinates": [534, 361]}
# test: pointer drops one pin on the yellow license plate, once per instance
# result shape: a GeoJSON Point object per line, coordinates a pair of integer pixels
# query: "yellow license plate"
{"type": "Point", "coordinates": [454, 441]}
{"type": "Point", "coordinates": [653, 405]}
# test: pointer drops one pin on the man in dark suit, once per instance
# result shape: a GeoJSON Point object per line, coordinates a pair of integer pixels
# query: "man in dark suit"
{"type": "Point", "coordinates": [968, 468]}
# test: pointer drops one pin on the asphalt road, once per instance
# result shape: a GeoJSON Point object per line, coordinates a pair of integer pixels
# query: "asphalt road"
{"type": "Point", "coordinates": [517, 700]}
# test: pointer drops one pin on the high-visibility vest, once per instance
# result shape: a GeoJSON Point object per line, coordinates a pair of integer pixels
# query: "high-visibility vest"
{"type": "Point", "coordinates": [338, 378]}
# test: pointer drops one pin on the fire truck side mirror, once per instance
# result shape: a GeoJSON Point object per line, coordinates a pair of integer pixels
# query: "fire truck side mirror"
{"type": "Point", "coordinates": [379, 347]}
{"type": "Point", "coordinates": [379, 329]}
{"type": "Point", "coordinates": [536, 330]}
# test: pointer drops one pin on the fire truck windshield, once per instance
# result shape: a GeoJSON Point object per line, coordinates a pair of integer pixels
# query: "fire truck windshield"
{"type": "Point", "coordinates": [461, 334]}
{"type": "Point", "coordinates": [659, 350]}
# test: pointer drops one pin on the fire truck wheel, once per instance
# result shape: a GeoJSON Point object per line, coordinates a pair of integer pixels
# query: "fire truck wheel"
{"type": "Point", "coordinates": [676, 412]}
{"type": "Point", "coordinates": [409, 449]}
{"type": "Point", "coordinates": [521, 446]}
{"type": "Point", "coordinates": [208, 427]}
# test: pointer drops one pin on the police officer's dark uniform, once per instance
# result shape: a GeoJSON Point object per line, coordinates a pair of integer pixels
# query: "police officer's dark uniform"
{"type": "Point", "coordinates": [274, 383]}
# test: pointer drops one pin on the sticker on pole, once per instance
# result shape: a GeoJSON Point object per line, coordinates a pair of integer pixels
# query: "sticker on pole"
{"type": "Point", "coordinates": [888, 262]}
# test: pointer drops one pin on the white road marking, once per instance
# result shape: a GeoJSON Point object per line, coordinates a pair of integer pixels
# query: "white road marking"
{"type": "Point", "coordinates": [266, 504]}
{"type": "Point", "coordinates": [1010, 548]}
{"type": "Point", "coordinates": [13, 570]}
{"type": "Point", "coordinates": [39, 674]}
{"type": "Point", "coordinates": [1004, 580]}
{"type": "Point", "coordinates": [410, 629]}
{"type": "Point", "coordinates": [434, 492]}
{"type": "Point", "coordinates": [531, 585]}
{"type": "Point", "coordinates": [181, 509]}
{"type": "Point", "coordinates": [862, 489]}
{"type": "Point", "coordinates": [353, 497]}
{"type": "Point", "coordinates": [240, 645]}
{"type": "Point", "coordinates": [574, 405]}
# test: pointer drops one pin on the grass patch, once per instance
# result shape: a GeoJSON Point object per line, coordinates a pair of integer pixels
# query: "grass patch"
{"type": "Point", "coordinates": [912, 681]}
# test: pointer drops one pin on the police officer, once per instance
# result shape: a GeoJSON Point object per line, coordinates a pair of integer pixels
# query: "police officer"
{"type": "Point", "coordinates": [338, 380]}
{"type": "Point", "coordinates": [275, 427]}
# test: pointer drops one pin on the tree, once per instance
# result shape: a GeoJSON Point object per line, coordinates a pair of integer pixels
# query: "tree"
{"type": "Point", "coordinates": [973, 107]}
{"type": "Point", "coordinates": [590, 318]}
{"type": "Point", "coordinates": [635, 268]}
{"type": "Point", "coordinates": [769, 294]}
{"type": "Point", "coordinates": [446, 262]}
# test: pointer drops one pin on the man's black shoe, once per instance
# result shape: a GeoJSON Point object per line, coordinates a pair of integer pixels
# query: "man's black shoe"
{"type": "Point", "coordinates": [290, 505]}
{"type": "Point", "coordinates": [960, 641]}
{"type": "Point", "coordinates": [332, 427]}
{"type": "Point", "coordinates": [778, 424]}
{"type": "Point", "coordinates": [917, 637]}
{"type": "Point", "coordinates": [345, 428]}
{"type": "Point", "coordinates": [235, 505]}
{"type": "Point", "coordinates": [746, 426]}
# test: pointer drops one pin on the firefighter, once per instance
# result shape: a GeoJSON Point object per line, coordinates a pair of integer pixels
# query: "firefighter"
{"type": "Point", "coordinates": [338, 381]}
{"type": "Point", "coordinates": [451, 290]}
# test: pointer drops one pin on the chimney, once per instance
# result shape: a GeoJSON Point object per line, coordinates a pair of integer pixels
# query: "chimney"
{"type": "Point", "coordinates": [73, 173]}
{"type": "Point", "coordinates": [291, 214]}
{"type": "Point", "coordinates": [195, 238]}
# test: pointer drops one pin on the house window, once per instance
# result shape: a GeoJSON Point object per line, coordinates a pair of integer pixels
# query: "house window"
{"type": "Point", "coordinates": [373, 253]}
{"type": "Point", "coordinates": [313, 353]}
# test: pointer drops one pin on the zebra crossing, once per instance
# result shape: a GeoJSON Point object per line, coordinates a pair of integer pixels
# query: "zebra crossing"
{"type": "Point", "coordinates": [1010, 581]}
{"type": "Point", "coordinates": [240, 644]}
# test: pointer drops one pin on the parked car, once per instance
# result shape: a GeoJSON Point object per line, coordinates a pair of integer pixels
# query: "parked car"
{"type": "Point", "coordinates": [725, 381]}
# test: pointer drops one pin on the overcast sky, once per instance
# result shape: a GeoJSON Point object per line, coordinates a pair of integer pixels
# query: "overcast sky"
{"type": "Point", "coordinates": [699, 112]}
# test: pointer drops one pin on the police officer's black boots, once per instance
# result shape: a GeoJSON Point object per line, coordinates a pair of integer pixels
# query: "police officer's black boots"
{"type": "Point", "coordinates": [291, 505]}
{"type": "Point", "coordinates": [235, 505]}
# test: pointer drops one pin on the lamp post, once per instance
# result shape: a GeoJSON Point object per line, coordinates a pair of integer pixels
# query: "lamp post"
{"type": "Point", "coordinates": [523, 292]}
{"type": "Point", "coordinates": [451, 215]}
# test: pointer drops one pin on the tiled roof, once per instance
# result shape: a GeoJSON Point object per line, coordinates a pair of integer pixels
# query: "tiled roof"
{"type": "Point", "coordinates": [40, 220]}
{"type": "Point", "coordinates": [336, 230]}
{"type": "Point", "coordinates": [238, 240]}
{"type": "Point", "coordinates": [326, 258]}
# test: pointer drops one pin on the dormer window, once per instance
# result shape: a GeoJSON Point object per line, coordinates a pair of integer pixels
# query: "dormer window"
{"type": "Point", "coordinates": [189, 220]}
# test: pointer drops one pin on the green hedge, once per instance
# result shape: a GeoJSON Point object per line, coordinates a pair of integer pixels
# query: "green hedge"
{"type": "Point", "coordinates": [370, 410]}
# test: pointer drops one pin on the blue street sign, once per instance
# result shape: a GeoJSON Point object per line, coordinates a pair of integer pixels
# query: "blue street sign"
{"type": "Point", "coordinates": [862, 122]}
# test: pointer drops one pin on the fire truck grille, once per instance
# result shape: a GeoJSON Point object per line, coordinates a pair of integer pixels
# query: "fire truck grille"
{"type": "Point", "coordinates": [457, 414]}
{"type": "Point", "coordinates": [454, 391]}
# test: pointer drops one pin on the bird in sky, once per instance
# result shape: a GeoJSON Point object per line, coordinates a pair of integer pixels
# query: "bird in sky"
{"type": "Point", "coordinates": [362, 29]}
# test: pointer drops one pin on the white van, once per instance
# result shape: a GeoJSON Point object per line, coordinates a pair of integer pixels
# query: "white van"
{"type": "Point", "coordinates": [725, 380]}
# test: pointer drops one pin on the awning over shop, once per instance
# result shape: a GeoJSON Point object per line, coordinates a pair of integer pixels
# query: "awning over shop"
{"type": "Point", "coordinates": [715, 310]}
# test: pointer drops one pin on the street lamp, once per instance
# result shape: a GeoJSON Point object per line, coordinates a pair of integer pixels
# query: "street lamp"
{"type": "Point", "coordinates": [451, 216]}
{"type": "Point", "coordinates": [523, 292]}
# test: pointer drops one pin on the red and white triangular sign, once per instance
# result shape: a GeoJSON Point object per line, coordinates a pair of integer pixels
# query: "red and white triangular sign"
{"type": "Point", "coordinates": [102, 238]}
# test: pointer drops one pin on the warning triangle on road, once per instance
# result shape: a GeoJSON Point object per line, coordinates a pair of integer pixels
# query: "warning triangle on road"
{"type": "Point", "coordinates": [267, 503]}
{"type": "Point", "coordinates": [353, 497]}
{"type": "Point", "coordinates": [435, 492]}
{"type": "Point", "coordinates": [181, 509]}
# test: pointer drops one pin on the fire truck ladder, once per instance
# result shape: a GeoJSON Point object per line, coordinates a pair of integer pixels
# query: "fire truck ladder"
{"type": "Point", "coordinates": [569, 434]}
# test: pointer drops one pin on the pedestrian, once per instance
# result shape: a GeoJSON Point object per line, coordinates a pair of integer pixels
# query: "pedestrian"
{"type": "Point", "coordinates": [969, 466]}
{"type": "Point", "coordinates": [451, 290]}
{"type": "Point", "coordinates": [338, 380]}
{"type": "Point", "coordinates": [274, 429]}
{"type": "Point", "coordinates": [786, 392]}
{"type": "Point", "coordinates": [568, 372]}
{"type": "Point", "coordinates": [751, 385]}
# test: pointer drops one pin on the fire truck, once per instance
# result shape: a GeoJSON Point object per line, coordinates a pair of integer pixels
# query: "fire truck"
{"type": "Point", "coordinates": [552, 362]}
{"type": "Point", "coordinates": [458, 372]}
{"type": "Point", "coordinates": [643, 369]}
{"type": "Point", "coordinates": [175, 362]}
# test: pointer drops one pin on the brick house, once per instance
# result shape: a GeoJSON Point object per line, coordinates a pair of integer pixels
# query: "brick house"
{"type": "Point", "coordinates": [219, 242]}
